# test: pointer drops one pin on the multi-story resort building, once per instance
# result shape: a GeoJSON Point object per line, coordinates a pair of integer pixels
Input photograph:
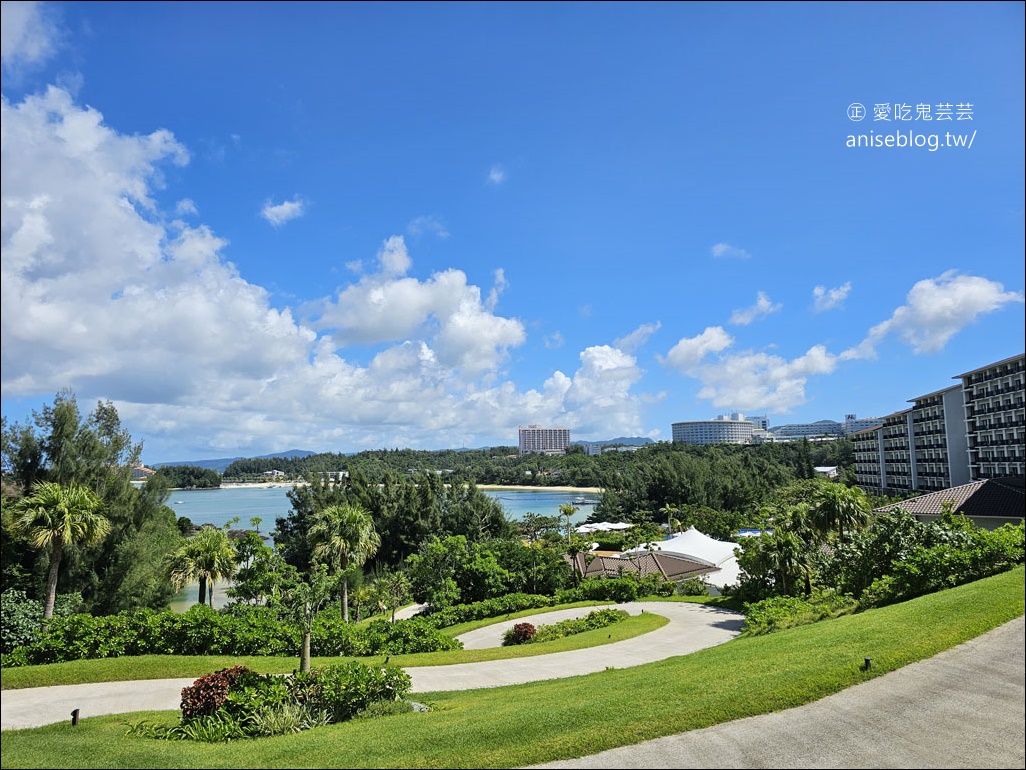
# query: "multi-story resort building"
{"type": "Point", "coordinates": [995, 417]}
{"type": "Point", "coordinates": [967, 432]}
{"type": "Point", "coordinates": [550, 441]}
{"type": "Point", "coordinates": [826, 428]}
{"type": "Point", "coordinates": [733, 429]}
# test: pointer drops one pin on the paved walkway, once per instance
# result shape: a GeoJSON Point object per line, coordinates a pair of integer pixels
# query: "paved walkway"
{"type": "Point", "coordinates": [964, 708]}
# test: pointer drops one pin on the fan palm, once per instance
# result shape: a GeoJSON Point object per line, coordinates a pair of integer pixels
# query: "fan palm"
{"type": "Point", "coordinates": [208, 556]}
{"type": "Point", "coordinates": [57, 516]}
{"type": "Point", "coordinates": [344, 537]}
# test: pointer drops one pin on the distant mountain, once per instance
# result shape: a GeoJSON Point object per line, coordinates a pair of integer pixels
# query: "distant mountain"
{"type": "Point", "coordinates": [221, 463]}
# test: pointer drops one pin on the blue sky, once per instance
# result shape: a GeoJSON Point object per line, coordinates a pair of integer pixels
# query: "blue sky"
{"type": "Point", "coordinates": [343, 226]}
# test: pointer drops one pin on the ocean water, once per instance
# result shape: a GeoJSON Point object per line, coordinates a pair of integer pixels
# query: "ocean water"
{"type": "Point", "coordinates": [219, 506]}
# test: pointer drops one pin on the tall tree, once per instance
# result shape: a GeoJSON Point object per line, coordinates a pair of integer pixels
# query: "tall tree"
{"type": "Point", "coordinates": [343, 536]}
{"type": "Point", "coordinates": [56, 517]}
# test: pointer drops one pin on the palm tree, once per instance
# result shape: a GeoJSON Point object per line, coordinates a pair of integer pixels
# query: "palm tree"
{"type": "Point", "coordinates": [208, 556]}
{"type": "Point", "coordinates": [344, 535]}
{"type": "Point", "coordinates": [785, 556]}
{"type": "Point", "coordinates": [58, 516]}
{"type": "Point", "coordinates": [568, 510]}
{"type": "Point", "coordinates": [841, 508]}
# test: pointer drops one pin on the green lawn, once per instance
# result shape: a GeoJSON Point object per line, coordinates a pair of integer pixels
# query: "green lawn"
{"type": "Point", "coordinates": [538, 722]}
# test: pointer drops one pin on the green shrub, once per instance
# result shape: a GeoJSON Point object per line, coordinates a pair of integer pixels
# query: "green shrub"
{"type": "Point", "coordinates": [692, 587]}
{"type": "Point", "coordinates": [21, 618]}
{"type": "Point", "coordinates": [238, 703]}
{"type": "Point", "coordinates": [780, 612]}
{"type": "Point", "coordinates": [525, 633]}
{"type": "Point", "coordinates": [593, 620]}
{"type": "Point", "coordinates": [488, 608]}
{"type": "Point", "coordinates": [210, 692]}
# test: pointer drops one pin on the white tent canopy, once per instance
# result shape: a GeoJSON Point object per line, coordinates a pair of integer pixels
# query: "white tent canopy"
{"type": "Point", "coordinates": [602, 526]}
{"type": "Point", "coordinates": [693, 544]}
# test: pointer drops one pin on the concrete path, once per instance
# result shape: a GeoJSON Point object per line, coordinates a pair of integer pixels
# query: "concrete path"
{"type": "Point", "coordinates": [692, 627]}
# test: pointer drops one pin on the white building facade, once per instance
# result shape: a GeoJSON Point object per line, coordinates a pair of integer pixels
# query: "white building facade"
{"type": "Point", "coordinates": [535, 438]}
{"type": "Point", "coordinates": [968, 432]}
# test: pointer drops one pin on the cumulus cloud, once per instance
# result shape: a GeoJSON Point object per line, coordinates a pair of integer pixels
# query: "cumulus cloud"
{"type": "Point", "coordinates": [388, 305]}
{"type": "Point", "coordinates": [829, 299]}
{"type": "Point", "coordinates": [935, 310]}
{"type": "Point", "coordinates": [690, 351]}
{"type": "Point", "coordinates": [496, 175]}
{"type": "Point", "coordinates": [726, 251]}
{"type": "Point", "coordinates": [762, 308]}
{"type": "Point", "coordinates": [29, 34]}
{"type": "Point", "coordinates": [280, 213]}
{"type": "Point", "coordinates": [637, 338]}
{"type": "Point", "coordinates": [101, 295]}
{"type": "Point", "coordinates": [759, 381]}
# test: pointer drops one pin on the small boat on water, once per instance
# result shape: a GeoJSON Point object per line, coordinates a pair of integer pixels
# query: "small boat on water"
{"type": "Point", "coordinates": [583, 501]}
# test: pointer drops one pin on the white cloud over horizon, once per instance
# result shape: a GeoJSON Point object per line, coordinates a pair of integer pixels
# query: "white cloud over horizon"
{"type": "Point", "coordinates": [496, 175]}
{"type": "Point", "coordinates": [936, 309]}
{"type": "Point", "coordinates": [108, 310]}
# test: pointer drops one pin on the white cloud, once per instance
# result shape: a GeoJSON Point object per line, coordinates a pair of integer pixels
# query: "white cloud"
{"type": "Point", "coordinates": [427, 224]}
{"type": "Point", "coordinates": [388, 306]}
{"type": "Point", "coordinates": [759, 381]}
{"type": "Point", "coordinates": [689, 352]}
{"type": "Point", "coordinates": [829, 299]}
{"type": "Point", "coordinates": [762, 308]}
{"type": "Point", "coordinates": [553, 341]}
{"type": "Point", "coordinates": [186, 206]}
{"type": "Point", "coordinates": [637, 338]}
{"type": "Point", "coordinates": [726, 251]}
{"type": "Point", "coordinates": [98, 295]}
{"type": "Point", "coordinates": [496, 175]}
{"type": "Point", "coordinates": [29, 34]}
{"type": "Point", "coordinates": [937, 309]}
{"type": "Point", "coordinates": [279, 214]}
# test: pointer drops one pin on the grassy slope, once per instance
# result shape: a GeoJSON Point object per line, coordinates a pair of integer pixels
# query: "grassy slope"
{"type": "Point", "coordinates": [538, 722]}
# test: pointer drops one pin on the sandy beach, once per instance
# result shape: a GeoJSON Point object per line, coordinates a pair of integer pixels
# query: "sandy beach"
{"type": "Point", "coordinates": [515, 487]}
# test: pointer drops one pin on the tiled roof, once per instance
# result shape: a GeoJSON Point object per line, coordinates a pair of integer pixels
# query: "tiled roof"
{"type": "Point", "coordinates": [992, 498]}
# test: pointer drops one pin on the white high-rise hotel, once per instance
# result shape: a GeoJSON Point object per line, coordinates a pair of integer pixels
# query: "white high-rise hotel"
{"type": "Point", "coordinates": [550, 441]}
{"type": "Point", "coordinates": [966, 432]}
